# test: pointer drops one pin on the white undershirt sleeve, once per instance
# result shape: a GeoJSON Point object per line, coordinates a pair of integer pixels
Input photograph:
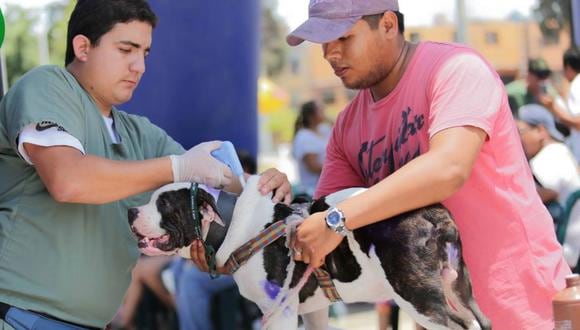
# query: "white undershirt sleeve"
{"type": "Point", "coordinates": [46, 137]}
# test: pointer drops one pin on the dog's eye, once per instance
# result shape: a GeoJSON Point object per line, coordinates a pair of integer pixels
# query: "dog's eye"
{"type": "Point", "coordinates": [163, 204]}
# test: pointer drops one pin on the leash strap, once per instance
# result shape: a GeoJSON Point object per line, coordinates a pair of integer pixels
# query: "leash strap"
{"type": "Point", "coordinates": [246, 251]}
{"type": "Point", "coordinates": [265, 238]}
{"type": "Point", "coordinates": [326, 284]}
{"type": "Point", "coordinates": [209, 250]}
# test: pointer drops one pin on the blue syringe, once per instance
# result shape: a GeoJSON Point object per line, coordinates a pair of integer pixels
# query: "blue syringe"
{"type": "Point", "coordinates": [226, 153]}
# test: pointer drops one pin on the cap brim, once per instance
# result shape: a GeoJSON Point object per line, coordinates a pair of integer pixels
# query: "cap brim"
{"type": "Point", "coordinates": [321, 30]}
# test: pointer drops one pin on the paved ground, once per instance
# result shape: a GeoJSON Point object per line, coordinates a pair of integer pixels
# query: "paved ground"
{"type": "Point", "coordinates": [364, 317]}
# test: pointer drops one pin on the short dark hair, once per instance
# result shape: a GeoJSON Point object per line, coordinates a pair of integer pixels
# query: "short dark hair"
{"type": "Point", "coordinates": [94, 18]}
{"type": "Point", "coordinates": [539, 67]}
{"type": "Point", "coordinates": [373, 20]}
{"type": "Point", "coordinates": [572, 59]}
{"type": "Point", "coordinates": [307, 111]}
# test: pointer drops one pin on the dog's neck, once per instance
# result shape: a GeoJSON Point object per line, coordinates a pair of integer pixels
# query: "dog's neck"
{"type": "Point", "coordinates": [251, 214]}
{"type": "Point", "coordinates": [225, 207]}
{"type": "Point", "coordinates": [214, 232]}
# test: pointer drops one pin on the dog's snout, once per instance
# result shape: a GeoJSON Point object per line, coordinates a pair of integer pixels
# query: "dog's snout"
{"type": "Point", "coordinates": [132, 215]}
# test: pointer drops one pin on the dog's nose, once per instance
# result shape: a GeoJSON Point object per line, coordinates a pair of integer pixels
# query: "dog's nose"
{"type": "Point", "coordinates": [132, 215]}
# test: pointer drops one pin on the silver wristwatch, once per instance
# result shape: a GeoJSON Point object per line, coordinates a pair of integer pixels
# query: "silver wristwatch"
{"type": "Point", "coordinates": [335, 221]}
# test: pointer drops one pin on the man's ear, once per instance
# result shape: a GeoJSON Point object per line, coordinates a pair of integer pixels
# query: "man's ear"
{"type": "Point", "coordinates": [81, 46]}
{"type": "Point", "coordinates": [389, 24]}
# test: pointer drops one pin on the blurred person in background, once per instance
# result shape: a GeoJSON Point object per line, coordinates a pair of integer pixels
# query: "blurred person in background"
{"type": "Point", "coordinates": [431, 123]}
{"type": "Point", "coordinates": [528, 90]}
{"type": "Point", "coordinates": [311, 131]}
{"type": "Point", "coordinates": [568, 112]}
{"type": "Point", "coordinates": [553, 165]}
{"type": "Point", "coordinates": [145, 274]}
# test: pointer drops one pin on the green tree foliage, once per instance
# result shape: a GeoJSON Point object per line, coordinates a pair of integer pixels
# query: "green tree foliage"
{"type": "Point", "coordinates": [273, 36]}
{"type": "Point", "coordinates": [553, 16]}
{"type": "Point", "coordinates": [58, 15]}
{"type": "Point", "coordinates": [21, 45]}
{"type": "Point", "coordinates": [23, 30]}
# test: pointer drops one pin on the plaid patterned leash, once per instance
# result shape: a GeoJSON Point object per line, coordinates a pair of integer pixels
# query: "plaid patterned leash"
{"type": "Point", "coordinates": [240, 256]}
{"type": "Point", "coordinates": [326, 284]}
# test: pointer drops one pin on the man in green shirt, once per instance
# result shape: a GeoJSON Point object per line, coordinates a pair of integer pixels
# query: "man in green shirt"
{"type": "Point", "coordinates": [72, 164]}
{"type": "Point", "coordinates": [528, 90]}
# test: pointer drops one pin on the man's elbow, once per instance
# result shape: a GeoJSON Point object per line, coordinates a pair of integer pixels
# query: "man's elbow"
{"type": "Point", "coordinates": [63, 191]}
{"type": "Point", "coordinates": [454, 177]}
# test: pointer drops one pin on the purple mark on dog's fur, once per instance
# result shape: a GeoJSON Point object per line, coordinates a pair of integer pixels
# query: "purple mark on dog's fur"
{"type": "Point", "coordinates": [288, 312]}
{"type": "Point", "coordinates": [372, 249]}
{"type": "Point", "coordinates": [271, 289]}
{"type": "Point", "coordinates": [452, 255]}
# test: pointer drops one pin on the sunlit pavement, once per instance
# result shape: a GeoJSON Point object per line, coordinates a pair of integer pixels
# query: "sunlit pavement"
{"type": "Point", "coordinates": [364, 317]}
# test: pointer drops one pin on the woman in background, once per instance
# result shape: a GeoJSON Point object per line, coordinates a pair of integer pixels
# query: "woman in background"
{"type": "Point", "coordinates": [311, 132]}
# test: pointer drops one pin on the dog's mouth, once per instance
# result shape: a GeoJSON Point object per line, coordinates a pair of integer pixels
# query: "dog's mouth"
{"type": "Point", "coordinates": [157, 242]}
{"type": "Point", "coordinates": [152, 245]}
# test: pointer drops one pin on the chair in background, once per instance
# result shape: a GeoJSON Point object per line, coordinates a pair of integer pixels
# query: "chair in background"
{"type": "Point", "coordinates": [562, 225]}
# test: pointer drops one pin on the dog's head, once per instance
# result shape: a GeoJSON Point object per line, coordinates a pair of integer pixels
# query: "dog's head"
{"type": "Point", "coordinates": [165, 224]}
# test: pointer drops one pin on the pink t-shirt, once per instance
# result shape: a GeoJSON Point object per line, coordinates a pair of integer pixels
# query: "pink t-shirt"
{"type": "Point", "coordinates": [509, 245]}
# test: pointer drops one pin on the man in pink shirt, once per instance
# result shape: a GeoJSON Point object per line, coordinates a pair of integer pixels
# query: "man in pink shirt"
{"type": "Point", "coordinates": [430, 124]}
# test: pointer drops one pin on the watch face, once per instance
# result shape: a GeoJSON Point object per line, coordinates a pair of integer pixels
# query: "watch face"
{"type": "Point", "coordinates": [333, 218]}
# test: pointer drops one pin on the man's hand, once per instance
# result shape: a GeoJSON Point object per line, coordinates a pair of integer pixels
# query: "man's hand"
{"type": "Point", "coordinates": [315, 240]}
{"type": "Point", "coordinates": [276, 181]}
{"type": "Point", "coordinates": [547, 101]}
{"type": "Point", "coordinates": [198, 165]}
{"type": "Point", "coordinates": [198, 258]}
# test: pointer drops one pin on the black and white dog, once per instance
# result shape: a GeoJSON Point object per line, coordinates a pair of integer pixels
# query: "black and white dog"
{"type": "Point", "coordinates": [414, 258]}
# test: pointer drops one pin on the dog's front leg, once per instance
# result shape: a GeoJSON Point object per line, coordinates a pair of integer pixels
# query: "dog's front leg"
{"type": "Point", "coordinates": [281, 319]}
{"type": "Point", "coordinates": [317, 320]}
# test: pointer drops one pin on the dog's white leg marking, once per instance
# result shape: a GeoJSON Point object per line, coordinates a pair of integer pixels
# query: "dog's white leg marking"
{"type": "Point", "coordinates": [474, 325]}
{"type": "Point", "coordinates": [286, 319]}
{"type": "Point", "coordinates": [317, 320]}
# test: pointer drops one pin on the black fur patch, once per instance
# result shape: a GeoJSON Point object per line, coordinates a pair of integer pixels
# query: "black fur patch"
{"type": "Point", "coordinates": [176, 215]}
{"type": "Point", "coordinates": [276, 260]}
{"type": "Point", "coordinates": [340, 263]}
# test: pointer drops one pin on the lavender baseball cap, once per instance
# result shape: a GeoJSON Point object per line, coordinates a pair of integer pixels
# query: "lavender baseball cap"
{"type": "Point", "coordinates": [330, 19]}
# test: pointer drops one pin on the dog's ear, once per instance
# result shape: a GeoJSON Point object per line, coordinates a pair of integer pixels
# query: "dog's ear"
{"type": "Point", "coordinates": [301, 198]}
{"type": "Point", "coordinates": [205, 199]}
{"type": "Point", "coordinates": [319, 205]}
{"type": "Point", "coordinates": [281, 211]}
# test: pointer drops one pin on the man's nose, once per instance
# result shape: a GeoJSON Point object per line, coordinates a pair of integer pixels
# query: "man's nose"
{"type": "Point", "coordinates": [331, 50]}
{"type": "Point", "coordinates": [138, 65]}
{"type": "Point", "coordinates": [132, 215]}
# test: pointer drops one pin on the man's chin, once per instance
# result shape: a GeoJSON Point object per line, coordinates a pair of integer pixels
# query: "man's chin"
{"type": "Point", "coordinates": [124, 97]}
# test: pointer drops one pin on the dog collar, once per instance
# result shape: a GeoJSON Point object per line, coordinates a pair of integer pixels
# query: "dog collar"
{"type": "Point", "coordinates": [209, 250]}
{"type": "Point", "coordinates": [225, 207]}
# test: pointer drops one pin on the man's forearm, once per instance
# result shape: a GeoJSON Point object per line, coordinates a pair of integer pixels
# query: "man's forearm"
{"type": "Point", "coordinates": [421, 182]}
{"type": "Point", "coordinates": [429, 178]}
{"type": "Point", "coordinates": [109, 180]}
{"type": "Point", "coordinates": [564, 116]}
{"type": "Point", "coordinates": [72, 177]}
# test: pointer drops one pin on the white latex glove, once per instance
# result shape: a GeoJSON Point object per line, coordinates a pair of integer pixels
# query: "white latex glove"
{"type": "Point", "coordinates": [198, 165]}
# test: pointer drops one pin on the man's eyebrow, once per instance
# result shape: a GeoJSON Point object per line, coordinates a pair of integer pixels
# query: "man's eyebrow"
{"type": "Point", "coordinates": [133, 44]}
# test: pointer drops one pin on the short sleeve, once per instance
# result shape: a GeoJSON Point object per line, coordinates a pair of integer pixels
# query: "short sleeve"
{"type": "Point", "coordinates": [47, 135]}
{"type": "Point", "coordinates": [574, 97]}
{"type": "Point", "coordinates": [304, 144]}
{"type": "Point", "coordinates": [44, 94]}
{"type": "Point", "coordinates": [337, 172]}
{"type": "Point", "coordinates": [465, 92]}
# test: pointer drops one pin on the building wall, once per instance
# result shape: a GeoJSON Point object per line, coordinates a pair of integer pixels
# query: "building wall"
{"type": "Point", "coordinates": [507, 45]}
